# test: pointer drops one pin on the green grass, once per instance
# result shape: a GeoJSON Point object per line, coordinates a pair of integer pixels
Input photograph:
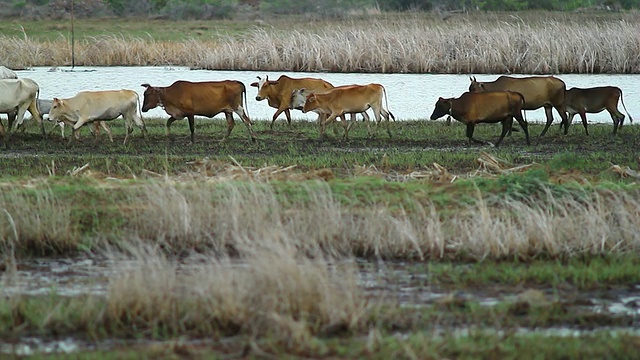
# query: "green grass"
{"type": "Point", "coordinates": [158, 30]}
{"type": "Point", "coordinates": [581, 273]}
{"type": "Point", "coordinates": [415, 146]}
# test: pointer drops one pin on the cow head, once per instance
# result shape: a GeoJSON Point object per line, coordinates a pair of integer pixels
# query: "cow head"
{"type": "Point", "coordinates": [151, 98]}
{"type": "Point", "coordinates": [298, 98]}
{"type": "Point", "coordinates": [475, 86]}
{"type": "Point", "coordinates": [443, 107]}
{"type": "Point", "coordinates": [262, 89]}
{"type": "Point", "coordinates": [57, 111]}
{"type": "Point", "coordinates": [311, 103]}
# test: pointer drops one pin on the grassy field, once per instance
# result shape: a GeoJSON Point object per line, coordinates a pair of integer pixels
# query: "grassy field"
{"type": "Point", "coordinates": [258, 250]}
{"type": "Point", "coordinates": [541, 228]}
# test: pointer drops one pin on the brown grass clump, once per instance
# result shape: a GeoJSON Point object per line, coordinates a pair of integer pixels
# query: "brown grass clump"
{"type": "Point", "coordinates": [274, 293]}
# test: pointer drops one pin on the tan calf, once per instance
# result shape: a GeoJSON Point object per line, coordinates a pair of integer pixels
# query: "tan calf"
{"type": "Point", "coordinates": [349, 99]}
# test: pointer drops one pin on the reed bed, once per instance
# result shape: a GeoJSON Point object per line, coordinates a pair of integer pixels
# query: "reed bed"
{"type": "Point", "coordinates": [237, 218]}
{"type": "Point", "coordinates": [380, 45]}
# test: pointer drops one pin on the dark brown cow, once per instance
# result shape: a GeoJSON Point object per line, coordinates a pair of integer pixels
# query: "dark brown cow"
{"type": "Point", "coordinates": [278, 92]}
{"type": "Point", "coordinates": [484, 107]}
{"type": "Point", "coordinates": [594, 100]}
{"type": "Point", "coordinates": [187, 99]}
{"type": "Point", "coordinates": [538, 91]}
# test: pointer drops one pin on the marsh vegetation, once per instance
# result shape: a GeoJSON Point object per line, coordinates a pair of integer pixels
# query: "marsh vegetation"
{"type": "Point", "coordinates": [268, 250]}
{"type": "Point", "coordinates": [265, 245]}
{"type": "Point", "coordinates": [532, 43]}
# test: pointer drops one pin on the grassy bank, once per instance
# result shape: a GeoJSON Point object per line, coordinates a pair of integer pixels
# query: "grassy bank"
{"type": "Point", "coordinates": [259, 250]}
{"type": "Point", "coordinates": [422, 43]}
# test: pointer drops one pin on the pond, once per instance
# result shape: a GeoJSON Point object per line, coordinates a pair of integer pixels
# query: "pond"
{"type": "Point", "coordinates": [410, 96]}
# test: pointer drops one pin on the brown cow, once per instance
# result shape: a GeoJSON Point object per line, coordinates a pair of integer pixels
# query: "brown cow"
{"type": "Point", "coordinates": [187, 99]}
{"type": "Point", "coordinates": [299, 97]}
{"type": "Point", "coordinates": [538, 91]}
{"type": "Point", "coordinates": [484, 107]}
{"type": "Point", "coordinates": [594, 100]}
{"type": "Point", "coordinates": [278, 92]}
{"type": "Point", "coordinates": [349, 99]}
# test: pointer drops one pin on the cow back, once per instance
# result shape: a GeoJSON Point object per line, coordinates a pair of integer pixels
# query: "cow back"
{"type": "Point", "coordinates": [592, 99]}
{"type": "Point", "coordinates": [350, 98]}
{"type": "Point", "coordinates": [280, 92]}
{"type": "Point", "coordinates": [204, 98]}
{"type": "Point", "coordinates": [538, 91]}
{"type": "Point", "coordinates": [96, 105]}
{"type": "Point", "coordinates": [14, 92]}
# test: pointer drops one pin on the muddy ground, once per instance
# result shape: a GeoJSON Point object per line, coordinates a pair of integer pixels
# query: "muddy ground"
{"type": "Point", "coordinates": [412, 146]}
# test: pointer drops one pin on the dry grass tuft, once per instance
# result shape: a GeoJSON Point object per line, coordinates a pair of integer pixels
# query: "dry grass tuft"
{"type": "Point", "coordinates": [275, 294]}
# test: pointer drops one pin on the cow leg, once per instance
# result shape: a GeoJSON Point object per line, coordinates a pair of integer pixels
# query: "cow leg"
{"type": "Point", "coordinates": [583, 116]}
{"type": "Point", "coordinates": [470, 128]}
{"type": "Point", "coordinates": [524, 125]}
{"type": "Point", "coordinates": [243, 115]}
{"type": "Point", "coordinates": [324, 123]}
{"type": "Point", "coordinates": [11, 116]}
{"type": "Point", "coordinates": [230, 124]}
{"type": "Point", "coordinates": [345, 124]}
{"type": "Point", "coordinates": [506, 125]}
{"type": "Point", "coordinates": [618, 119]}
{"type": "Point", "coordinates": [192, 127]}
{"type": "Point", "coordinates": [547, 111]}
{"type": "Point", "coordinates": [106, 128]}
{"type": "Point", "coordinates": [275, 116]}
{"type": "Point", "coordinates": [287, 113]}
{"type": "Point", "coordinates": [563, 115]}
{"type": "Point", "coordinates": [33, 109]}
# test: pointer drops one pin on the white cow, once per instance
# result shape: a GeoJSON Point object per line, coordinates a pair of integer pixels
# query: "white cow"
{"type": "Point", "coordinates": [92, 106]}
{"type": "Point", "coordinates": [6, 73]}
{"type": "Point", "coordinates": [19, 95]}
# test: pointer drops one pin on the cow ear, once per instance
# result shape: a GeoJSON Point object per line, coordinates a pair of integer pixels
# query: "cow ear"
{"type": "Point", "coordinates": [254, 84]}
{"type": "Point", "coordinates": [441, 98]}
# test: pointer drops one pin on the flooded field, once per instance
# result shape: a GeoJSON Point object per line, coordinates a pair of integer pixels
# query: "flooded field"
{"type": "Point", "coordinates": [403, 284]}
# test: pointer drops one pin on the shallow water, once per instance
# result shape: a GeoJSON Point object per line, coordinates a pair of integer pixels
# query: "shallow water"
{"type": "Point", "coordinates": [410, 96]}
{"type": "Point", "coordinates": [398, 283]}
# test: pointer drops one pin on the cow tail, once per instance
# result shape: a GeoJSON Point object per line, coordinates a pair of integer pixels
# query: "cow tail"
{"type": "Point", "coordinates": [244, 95]}
{"type": "Point", "coordinates": [625, 108]}
{"type": "Point", "coordinates": [386, 102]}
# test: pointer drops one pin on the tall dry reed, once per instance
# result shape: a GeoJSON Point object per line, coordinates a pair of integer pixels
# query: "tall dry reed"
{"type": "Point", "coordinates": [243, 219]}
{"type": "Point", "coordinates": [410, 45]}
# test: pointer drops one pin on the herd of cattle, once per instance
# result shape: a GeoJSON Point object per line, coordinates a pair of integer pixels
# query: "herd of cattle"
{"type": "Point", "coordinates": [499, 101]}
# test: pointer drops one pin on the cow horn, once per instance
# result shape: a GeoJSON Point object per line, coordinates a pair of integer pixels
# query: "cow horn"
{"type": "Point", "coordinates": [146, 85]}
{"type": "Point", "coordinates": [258, 77]}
